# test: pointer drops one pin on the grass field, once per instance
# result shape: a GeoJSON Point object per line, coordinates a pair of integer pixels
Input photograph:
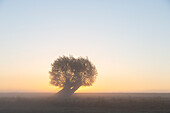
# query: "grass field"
{"type": "Point", "coordinates": [85, 103]}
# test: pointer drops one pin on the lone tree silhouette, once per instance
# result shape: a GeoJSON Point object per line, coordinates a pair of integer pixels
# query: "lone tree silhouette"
{"type": "Point", "coordinates": [70, 73]}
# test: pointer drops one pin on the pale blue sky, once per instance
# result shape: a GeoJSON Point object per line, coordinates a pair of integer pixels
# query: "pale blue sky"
{"type": "Point", "coordinates": [127, 40]}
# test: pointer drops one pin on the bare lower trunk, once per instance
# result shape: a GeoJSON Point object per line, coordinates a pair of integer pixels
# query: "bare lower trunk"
{"type": "Point", "coordinates": [68, 91]}
{"type": "Point", "coordinates": [64, 92]}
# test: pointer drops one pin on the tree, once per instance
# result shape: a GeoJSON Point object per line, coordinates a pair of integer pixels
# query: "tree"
{"type": "Point", "coordinates": [70, 73]}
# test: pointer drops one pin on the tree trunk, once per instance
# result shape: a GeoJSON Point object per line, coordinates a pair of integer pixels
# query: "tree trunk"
{"type": "Point", "coordinates": [68, 91]}
{"type": "Point", "coordinates": [75, 87]}
{"type": "Point", "coordinates": [64, 92]}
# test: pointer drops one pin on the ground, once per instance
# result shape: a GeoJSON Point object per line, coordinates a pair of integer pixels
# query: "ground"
{"type": "Point", "coordinates": [85, 103]}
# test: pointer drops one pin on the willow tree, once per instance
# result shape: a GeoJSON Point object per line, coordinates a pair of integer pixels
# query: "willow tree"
{"type": "Point", "coordinates": [70, 73]}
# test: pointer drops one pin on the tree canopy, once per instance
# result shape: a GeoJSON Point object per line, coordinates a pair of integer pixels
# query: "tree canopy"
{"type": "Point", "coordinates": [70, 71]}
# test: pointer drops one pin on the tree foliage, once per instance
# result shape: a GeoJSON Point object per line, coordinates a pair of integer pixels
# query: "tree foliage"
{"type": "Point", "coordinates": [69, 71]}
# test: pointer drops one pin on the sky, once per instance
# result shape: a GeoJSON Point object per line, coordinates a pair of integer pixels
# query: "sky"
{"type": "Point", "coordinates": [127, 40]}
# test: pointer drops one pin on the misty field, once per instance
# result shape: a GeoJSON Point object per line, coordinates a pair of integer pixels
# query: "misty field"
{"type": "Point", "coordinates": [85, 103]}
